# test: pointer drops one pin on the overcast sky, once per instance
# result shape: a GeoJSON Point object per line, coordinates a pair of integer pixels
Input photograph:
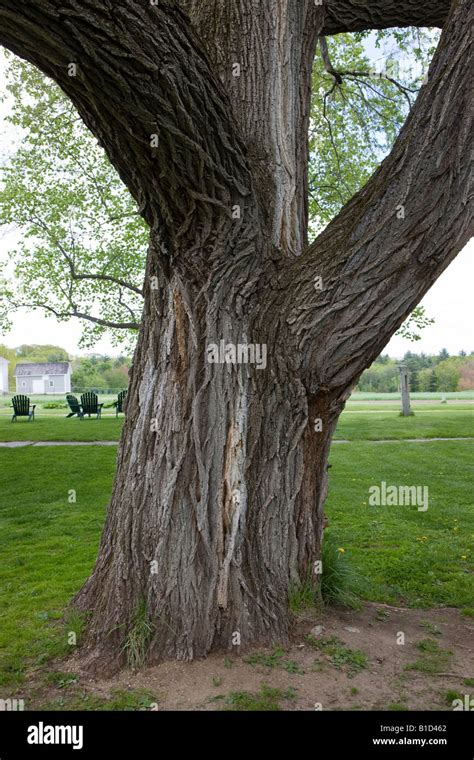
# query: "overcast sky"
{"type": "Point", "coordinates": [449, 302]}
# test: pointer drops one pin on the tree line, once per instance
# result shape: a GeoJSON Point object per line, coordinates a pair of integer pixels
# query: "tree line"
{"type": "Point", "coordinates": [428, 373]}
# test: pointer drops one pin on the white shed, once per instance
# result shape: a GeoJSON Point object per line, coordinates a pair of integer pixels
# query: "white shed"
{"type": "Point", "coordinates": [40, 378]}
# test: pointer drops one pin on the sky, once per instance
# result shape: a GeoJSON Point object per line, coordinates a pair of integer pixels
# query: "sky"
{"type": "Point", "coordinates": [449, 302]}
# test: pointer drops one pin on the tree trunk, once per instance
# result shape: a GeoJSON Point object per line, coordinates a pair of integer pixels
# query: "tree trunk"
{"type": "Point", "coordinates": [217, 507]}
{"type": "Point", "coordinates": [217, 502]}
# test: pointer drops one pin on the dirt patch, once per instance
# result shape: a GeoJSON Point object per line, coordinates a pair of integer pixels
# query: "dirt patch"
{"type": "Point", "coordinates": [359, 660]}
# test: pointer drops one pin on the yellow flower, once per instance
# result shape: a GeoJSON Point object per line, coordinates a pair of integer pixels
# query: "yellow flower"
{"type": "Point", "coordinates": [341, 550]}
{"type": "Point", "coordinates": [463, 556]}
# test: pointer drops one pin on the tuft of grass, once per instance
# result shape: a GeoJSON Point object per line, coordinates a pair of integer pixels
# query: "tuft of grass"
{"type": "Point", "coordinates": [397, 707]}
{"type": "Point", "coordinates": [274, 660]}
{"type": "Point", "coordinates": [468, 612]}
{"type": "Point", "coordinates": [61, 680]}
{"type": "Point", "coordinates": [469, 682]}
{"type": "Point", "coordinates": [339, 579]}
{"type": "Point", "coordinates": [433, 658]}
{"type": "Point", "coordinates": [303, 596]}
{"type": "Point", "coordinates": [119, 700]}
{"type": "Point", "coordinates": [342, 657]}
{"type": "Point", "coordinates": [428, 645]}
{"type": "Point", "coordinates": [138, 637]}
{"type": "Point", "coordinates": [267, 699]}
{"type": "Point", "coordinates": [451, 695]}
{"type": "Point", "coordinates": [431, 628]}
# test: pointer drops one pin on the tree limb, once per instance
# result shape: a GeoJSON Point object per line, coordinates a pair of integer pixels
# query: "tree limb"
{"type": "Point", "coordinates": [151, 99]}
{"type": "Point", "coordinates": [75, 313]}
{"type": "Point", "coordinates": [339, 75]}
{"type": "Point", "coordinates": [355, 16]}
{"type": "Point", "coordinates": [394, 238]}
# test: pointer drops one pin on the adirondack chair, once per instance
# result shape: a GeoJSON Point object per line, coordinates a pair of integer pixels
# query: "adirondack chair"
{"type": "Point", "coordinates": [74, 406]}
{"type": "Point", "coordinates": [90, 404]}
{"type": "Point", "coordinates": [22, 408]}
{"type": "Point", "coordinates": [119, 404]}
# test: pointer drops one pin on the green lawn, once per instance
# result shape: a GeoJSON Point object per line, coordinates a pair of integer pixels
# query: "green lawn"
{"type": "Point", "coordinates": [405, 555]}
{"type": "Point", "coordinates": [368, 425]}
{"type": "Point", "coordinates": [355, 424]}
{"type": "Point", "coordinates": [61, 429]}
{"type": "Point", "coordinates": [47, 545]}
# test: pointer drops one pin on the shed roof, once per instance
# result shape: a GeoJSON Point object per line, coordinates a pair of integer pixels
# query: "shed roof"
{"type": "Point", "coordinates": [41, 368]}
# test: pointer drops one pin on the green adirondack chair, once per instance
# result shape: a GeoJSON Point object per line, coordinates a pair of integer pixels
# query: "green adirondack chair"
{"type": "Point", "coordinates": [22, 408]}
{"type": "Point", "coordinates": [90, 404]}
{"type": "Point", "coordinates": [119, 404]}
{"type": "Point", "coordinates": [74, 406]}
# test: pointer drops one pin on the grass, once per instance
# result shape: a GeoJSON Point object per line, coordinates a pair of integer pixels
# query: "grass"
{"type": "Point", "coordinates": [340, 656]}
{"type": "Point", "coordinates": [340, 582]}
{"type": "Point", "coordinates": [120, 700]}
{"type": "Point", "coordinates": [366, 425]}
{"type": "Point", "coordinates": [135, 645]}
{"type": "Point", "coordinates": [354, 424]}
{"type": "Point", "coordinates": [274, 660]}
{"type": "Point", "coordinates": [433, 658]}
{"type": "Point", "coordinates": [420, 559]}
{"type": "Point", "coordinates": [431, 628]}
{"type": "Point", "coordinates": [47, 545]}
{"type": "Point", "coordinates": [61, 429]}
{"type": "Point", "coordinates": [267, 699]}
{"type": "Point", "coordinates": [371, 396]}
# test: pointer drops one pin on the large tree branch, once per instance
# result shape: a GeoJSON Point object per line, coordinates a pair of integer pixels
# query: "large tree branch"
{"type": "Point", "coordinates": [273, 43]}
{"type": "Point", "coordinates": [390, 243]}
{"type": "Point", "coordinates": [361, 15]}
{"type": "Point", "coordinates": [138, 77]}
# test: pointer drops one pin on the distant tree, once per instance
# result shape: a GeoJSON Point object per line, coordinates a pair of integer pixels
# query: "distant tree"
{"type": "Point", "coordinates": [443, 354]}
{"type": "Point", "coordinates": [448, 374]}
{"type": "Point", "coordinates": [414, 382]}
{"type": "Point", "coordinates": [433, 381]}
{"type": "Point", "coordinates": [466, 375]}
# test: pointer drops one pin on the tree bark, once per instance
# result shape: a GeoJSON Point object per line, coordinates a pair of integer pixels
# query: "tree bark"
{"type": "Point", "coordinates": [361, 15]}
{"type": "Point", "coordinates": [217, 507]}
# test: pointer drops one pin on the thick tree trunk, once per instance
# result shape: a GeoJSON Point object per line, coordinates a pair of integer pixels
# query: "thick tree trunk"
{"type": "Point", "coordinates": [217, 508]}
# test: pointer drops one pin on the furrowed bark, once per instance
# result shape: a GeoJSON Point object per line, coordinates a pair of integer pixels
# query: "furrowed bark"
{"type": "Point", "coordinates": [361, 15]}
{"type": "Point", "coordinates": [273, 44]}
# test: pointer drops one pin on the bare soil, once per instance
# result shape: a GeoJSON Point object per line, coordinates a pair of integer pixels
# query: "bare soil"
{"type": "Point", "coordinates": [384, 683]}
